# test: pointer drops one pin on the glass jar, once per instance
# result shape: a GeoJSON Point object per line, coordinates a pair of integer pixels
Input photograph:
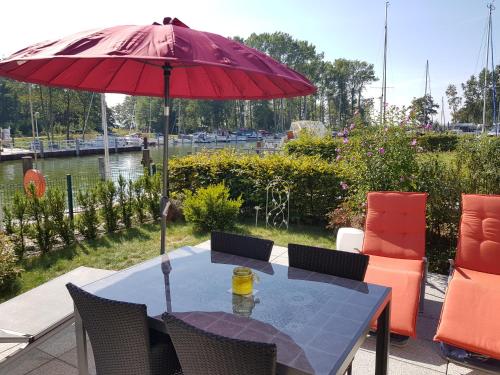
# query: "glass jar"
{"type": "Point", "coordinates": [242, 281]}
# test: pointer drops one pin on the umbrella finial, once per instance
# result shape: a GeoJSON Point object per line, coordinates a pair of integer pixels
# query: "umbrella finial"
{"type": "Point", "coordinates": [167, 20]}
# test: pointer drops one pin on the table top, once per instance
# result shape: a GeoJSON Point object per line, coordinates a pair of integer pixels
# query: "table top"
{"type": "Point", "coordinates": [316, 320]}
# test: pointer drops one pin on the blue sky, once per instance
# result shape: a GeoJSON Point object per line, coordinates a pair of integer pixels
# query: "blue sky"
{"type": "Point", "coordinates": [449, 33]}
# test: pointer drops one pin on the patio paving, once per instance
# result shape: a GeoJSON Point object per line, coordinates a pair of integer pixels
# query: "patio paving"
{"type": "Point", "coordinates": [421, 356]}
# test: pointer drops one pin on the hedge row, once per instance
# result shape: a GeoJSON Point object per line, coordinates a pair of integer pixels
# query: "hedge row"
{"type": "Point", "coordinates": [314, 185]}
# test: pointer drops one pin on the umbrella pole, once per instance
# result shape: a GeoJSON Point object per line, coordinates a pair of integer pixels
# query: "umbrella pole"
{"type": "Point", "coordinates": [164, 199]}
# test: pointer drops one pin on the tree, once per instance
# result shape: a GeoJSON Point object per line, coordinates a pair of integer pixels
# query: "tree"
{"type": "Point", "coordinates": [423, 109]}
{"type": "Point", "coordinates": [454, 101]}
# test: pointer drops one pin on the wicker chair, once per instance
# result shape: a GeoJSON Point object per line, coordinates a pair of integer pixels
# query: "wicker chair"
{"type": "Point", "coordinates": [120, 338]}
{"type": "Point", "coordinates": [244, 246]}
{"type": "Point", "coordinates": [202, 352]}
{"type": "Point", "coordinates": [332, 262]}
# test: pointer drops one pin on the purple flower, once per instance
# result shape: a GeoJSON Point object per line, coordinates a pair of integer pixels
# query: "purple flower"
{"type": "Point", "coordinates": [369, 153]}
{"type": "Point", "coordinates": [414, 142]}
{"type": "Point", "coordinates": [346, 140]}
{"type": "Point", "coordinates": [352, 126]}
{"type": "Point", "coordinates": [381, 151]}
{"type": "Point", "coordinates": [343, 185]}
{"type": "Point", "coordinates": [338, 157]}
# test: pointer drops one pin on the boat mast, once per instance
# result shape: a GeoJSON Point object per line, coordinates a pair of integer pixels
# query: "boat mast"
{"type": "Point", "coordinates": [490, 9]}
{"type": "Point", "coordinates": [425, 92]}
{"type": "Point", "coordinates": [443, 119]}
{"type": "Point", "coordinates": [383, 97]}
{"type": "Point", "coordinates": [493, 81]}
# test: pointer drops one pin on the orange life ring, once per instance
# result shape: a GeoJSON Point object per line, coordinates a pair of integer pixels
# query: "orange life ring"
{"type": "Point", "coordinates": [35, 177]}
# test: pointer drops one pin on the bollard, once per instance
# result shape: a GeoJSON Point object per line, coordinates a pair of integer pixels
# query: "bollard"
{"type": "Point", "coordinates": [102, 169]}
{"type": "Point", "coordinates": [41, 148]}
{"type": "Point", "coordinates": [77, 147]}
{"type": "Point", "coordinates": [69, 188]}
{"type": "Point", "coordinates": [153, 168]}
{"type": "Point", "coordinates": [146, 159]}
{"type": "Point", "coordinates": [116, 146]}
{"type": "Point", "coordinates": [27, 163]}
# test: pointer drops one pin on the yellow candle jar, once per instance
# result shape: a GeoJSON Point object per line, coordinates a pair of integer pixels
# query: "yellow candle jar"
{"type": "Point", "coordinates": [242, 281]}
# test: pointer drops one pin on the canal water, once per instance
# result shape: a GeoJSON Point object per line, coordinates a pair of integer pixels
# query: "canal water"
{"type": "Point", "coordinates": [123, 163]}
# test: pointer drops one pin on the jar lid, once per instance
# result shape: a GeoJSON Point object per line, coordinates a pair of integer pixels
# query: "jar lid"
{"type": "Point", "coordinates": [242, 271]}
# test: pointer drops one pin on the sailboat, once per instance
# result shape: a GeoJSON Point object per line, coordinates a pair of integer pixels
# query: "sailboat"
{"type": "Point", "coordinates": [489, 49]}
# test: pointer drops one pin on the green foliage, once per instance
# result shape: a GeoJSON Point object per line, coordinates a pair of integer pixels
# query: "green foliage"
{"type": "Point", "coordinates": [152, 190]}
{"type": "Point", "coordinates": [106, 195]}
{"type": "Point", "coordinates": [88, 219]}
{"type": "Point", "coordinates": [140, 200]}
{"type": "Point", "coordinates": [211, 208]}
{"type": "Point", "coordinates": [56, 200]}
{"type": "Point", "coordinates": [20, 215]}
{"type": "Point", "coordinates": [308, 145]}
{"type": "Point", "coordinates": [9, 271]}
{"type": "Point", "coordinates": [43, 228]}
{"type": "Point", "coordinates": [314, 185]}
{"type": "Point", "coordinates": [8, 220]}
{"type": "Point", "coordinates": [477, 161]}
{"type": "Point", "coordinates": [438, 142]}
{"type": "Point", "coordinates": [125, 200]}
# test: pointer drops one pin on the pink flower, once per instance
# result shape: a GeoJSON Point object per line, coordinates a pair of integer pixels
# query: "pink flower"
{"type": "Point", "coordinates": [386, 129]}
{"type": "Point", "coordinates": [369, 153]}
{"type": "Point", "coordinates": [343, 185]}
{"type": "Point", "coordinates": [338, 157]}
{"type": "Point", "coordinates": [401, 179]}
{"type": "Point", "coordinates": [352, 126]}
{"type": "Point", "coordinates": [414, 142]}
{"type": "Point", "coordinates": [346, 140]}
{"type": "Point", "coordinates": [381, 151]}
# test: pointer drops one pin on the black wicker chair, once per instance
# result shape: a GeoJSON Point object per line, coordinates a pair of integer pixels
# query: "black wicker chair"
{"type": "Point", "coordinates": [244, 246]}
{"type": "Point", "coordinates": [332, 262]}
{"type": "Point", "coordinates": [120, 338]}
{"type": "Point", "coordinates": [203, 352]}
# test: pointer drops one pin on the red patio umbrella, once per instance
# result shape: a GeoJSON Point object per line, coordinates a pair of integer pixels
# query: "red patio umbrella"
{"type": "Point", "coordinates": [169, 61]}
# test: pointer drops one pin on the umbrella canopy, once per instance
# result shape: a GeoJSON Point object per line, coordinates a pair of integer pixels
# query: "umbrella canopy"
{"type": "Point", "coordinates": [169, 60]}
{"type": "Point", "coordinates": [129, 60]}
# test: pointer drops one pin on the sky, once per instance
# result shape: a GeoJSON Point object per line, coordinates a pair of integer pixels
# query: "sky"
{"type": "Point", "coordinates": [449, 33]}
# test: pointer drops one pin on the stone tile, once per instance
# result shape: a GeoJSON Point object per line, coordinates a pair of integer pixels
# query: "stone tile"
{"type": "Point", "coordinates": [454, 369]}
{"type": "Point", "coordinates": [70, 358]}
{"type": "Point", "coordinates": [60, 343]}
{"type": "Point", "coordinates": [55, 367]}
{"type": "Point", "coordinates": [35, 359]}
{"type": "Point", "coordinates": [280, 260]}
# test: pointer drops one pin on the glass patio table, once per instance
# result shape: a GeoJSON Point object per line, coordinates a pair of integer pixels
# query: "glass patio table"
{"type": "Point", "coordinates": [317, 321]}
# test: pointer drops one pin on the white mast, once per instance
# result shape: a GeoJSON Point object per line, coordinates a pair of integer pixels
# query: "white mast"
{"type": "Point", "coordinates": [491, 7]}
{"type": "Point", "coordinates": [105, 135]}
{"type": "Point", "coordinates": [383, 98]}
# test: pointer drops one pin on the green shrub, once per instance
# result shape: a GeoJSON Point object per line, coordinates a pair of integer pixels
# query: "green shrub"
{"type": "Point", "coordinates": [125, 197]}
{"type": "Point", "coordinates": [8, 220]}
{"type": "Point", "coordinates": [88, 219]}
{"type": "Point", "coordinates": [56, 200]}
{"type": "Point", "coordinates": [438, 142]}
{"type": "Point", "coordinates": [106, 194]}
{"type": "Point", "coordinates": [140, 200]}
{"type": "Point", "coordinates": [314, 184]}
{"type": "Point", "coordinates": [211, 208]}
{"type": "Point", "coordinates": [9, 271]}
{"type": "Point", "coordinates": [20, 215]}
{"type": "Point", "coordinates": [42, 228]}
{"type": "Point", "coordinates": [152, 189]}
{"type": "Point", "coordinates": [308, 145]}
{"type": "Point", "coordinates": [477, 162]}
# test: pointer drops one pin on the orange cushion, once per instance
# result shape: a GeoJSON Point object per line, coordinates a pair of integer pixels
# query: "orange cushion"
{"type": "Point", "coordinates": [395, 225]}
{"type": "Point", "coordinates": [470, 316]}
{"type": "Point", "coordinates": [479, 241]}
{"type": "Point", "coordinates": [404, 277]}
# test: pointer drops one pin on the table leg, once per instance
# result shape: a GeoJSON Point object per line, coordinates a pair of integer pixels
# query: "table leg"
{"type": "Point", "coordinates": [81, 345]}
{"type": "Point", "coordinates": [383, 340]}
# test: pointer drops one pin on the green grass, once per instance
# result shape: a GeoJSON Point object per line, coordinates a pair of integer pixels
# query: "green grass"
{"type": "Point", "coordinates": [128, 247]}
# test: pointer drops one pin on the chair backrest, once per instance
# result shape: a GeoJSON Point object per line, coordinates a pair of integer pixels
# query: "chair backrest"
{"type": "Point", "coordinates": [201, 352]}
{"type": "Point", "coordinates": [118, 332]}
{"type": "Point", "coordinates": [479, 239]}
{"type": "Point", "coordinates": [332, 262]}
{"type": "Point", "coordinates": [395, 225]}
{"type": "Point", "coordinates": [245, 246]}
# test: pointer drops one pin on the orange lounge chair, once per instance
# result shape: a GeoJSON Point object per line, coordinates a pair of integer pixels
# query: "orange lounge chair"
{"type": "Point", "coordinates": [395, 241]}
{"type": "Point", "coordinates": [470, 319]}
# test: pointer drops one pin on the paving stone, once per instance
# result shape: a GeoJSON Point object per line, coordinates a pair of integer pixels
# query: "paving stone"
{"type": "Point", "coordinates": [35, 359]}
{"type": "Point", "coordinates": [55, 367]}
{"type": "Point", "coordinates": [60, 343]}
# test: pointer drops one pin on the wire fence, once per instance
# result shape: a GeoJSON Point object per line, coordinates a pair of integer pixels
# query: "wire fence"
{"type": "Point", "coordinates": [70, 185]}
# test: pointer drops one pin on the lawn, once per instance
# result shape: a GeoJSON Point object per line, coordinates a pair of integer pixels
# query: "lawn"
{"type": "Point", "coordinates": [128, 247]}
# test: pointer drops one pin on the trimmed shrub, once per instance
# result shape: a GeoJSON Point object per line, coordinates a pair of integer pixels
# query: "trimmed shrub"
{"type": "Point", "coordinates": [9, 271]}
{"type": "Point", "coordinates": [43, 228]}
{"type": "Point", "coordinates": [314, 185]}
{"type": "Point", "coordinates": [211, 208]}
{"type": "Point", "coordinates": [20, 229]}
{"type": "Point", "coordinates": [106, 194]}
{"type": "Point", "coordinates": [308, 145]}
{"type": "Point", "coordinates": [56, 199]}
{"type": "Point", "coordinates": [125, 197]}
{"type": "Point", "coordinates": [88, 220]}
{"type": "Point", "coordinates": [438, 142]}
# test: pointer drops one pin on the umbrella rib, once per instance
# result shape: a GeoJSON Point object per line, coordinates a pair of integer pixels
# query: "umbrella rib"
{"type": "Point", "coordinates": [139, 77]}
{"type": "Point", "coordinates": [115, 74]}
{"type": "Point", "coordinates": [62, 71]}
{"type": "Point", "coordinates": [232, 81]}
{"type": "Point", "coordinates": [249, 75]}
{"type": "Point", "coordinates": [209, 80]}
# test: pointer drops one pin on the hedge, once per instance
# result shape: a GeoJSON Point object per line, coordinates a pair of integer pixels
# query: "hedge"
{"type": "Point", "coordinates": [438, 142]}
{"type": "Point", "coordinates": [314, 185]}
